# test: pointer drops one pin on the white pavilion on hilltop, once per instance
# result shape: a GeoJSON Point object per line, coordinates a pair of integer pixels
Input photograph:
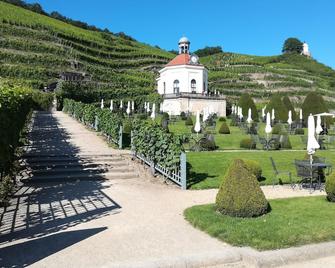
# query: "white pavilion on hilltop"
{"type": "Point", "coordinates": [183, 83]}
{"type": "Point", "coordinates": [305, 50]}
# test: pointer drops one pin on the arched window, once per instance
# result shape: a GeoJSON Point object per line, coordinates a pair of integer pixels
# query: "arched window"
{"type": "Point", "coordinates": [176, 86]}
{"type": "Point", "coordinates": [193, 86]}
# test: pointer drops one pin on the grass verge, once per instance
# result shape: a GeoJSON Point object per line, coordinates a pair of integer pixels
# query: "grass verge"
{"type": "Point", "coordinates": [291, 222]}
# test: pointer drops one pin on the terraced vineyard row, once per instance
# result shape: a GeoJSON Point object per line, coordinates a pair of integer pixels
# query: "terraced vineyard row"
{"type": "Point", "coordinates": [232, 74]}
{"type": "Point", "coordinates": [38, 48]}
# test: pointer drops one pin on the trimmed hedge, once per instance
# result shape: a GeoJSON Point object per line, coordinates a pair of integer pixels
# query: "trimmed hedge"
{"type": "Point", "coordinates": [154, 143]}
{"type": "Point", "coordinates": [247, 143]}
{"type": "Point", "coordinates": [240, 194]}
{"type": "Point", "coordinates": [330, 187]}
{"type": "Point", "coordinates": [254, 167]}
{"type": "Point", "coordinates": [224, 129]}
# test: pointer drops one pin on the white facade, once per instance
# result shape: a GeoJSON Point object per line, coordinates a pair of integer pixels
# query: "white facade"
{"type": "Point", "coordinates": [305, 50]}
{"type": "Point", "coordinates": [183, 83]}
{"type": "Point", "coordinates": [183, 79]}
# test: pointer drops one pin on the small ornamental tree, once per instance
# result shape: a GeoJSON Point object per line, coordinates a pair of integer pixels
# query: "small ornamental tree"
{"type": "Point", "coordinates": [247, 102]}
{"type": "Point", "coordinates": [281, 112]}
{"type": "Point", "coordinates": [288, 104]}
{"type": "Point", "coordinates": [240, 194]}
{"type": "Point", "coordinates": [292, 45]}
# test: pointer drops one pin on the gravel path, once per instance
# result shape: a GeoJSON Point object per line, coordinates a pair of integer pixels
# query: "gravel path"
{"type": "Point", "coordinates": [111, 223]}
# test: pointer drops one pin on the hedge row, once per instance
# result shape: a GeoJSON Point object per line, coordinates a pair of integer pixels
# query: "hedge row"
{"type": "Point", "coordinates": [149, 139]}
{"type": "Point", "coordinates": [109, 123]}
{"type": "Point", "coordinates": [16, 102]}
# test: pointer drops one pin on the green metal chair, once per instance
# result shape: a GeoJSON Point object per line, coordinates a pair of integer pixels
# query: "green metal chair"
{"type": "Point", "coordinates": [279, 172]}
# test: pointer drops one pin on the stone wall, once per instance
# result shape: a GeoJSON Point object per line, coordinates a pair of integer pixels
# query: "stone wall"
{"type": "Point", "coordinates": [174, 106]}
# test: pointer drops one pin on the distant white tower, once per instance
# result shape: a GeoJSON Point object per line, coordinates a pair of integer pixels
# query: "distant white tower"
{"type": "Point", "coordinates": [305, 50]}
{"type": "Point", "coordinates": [184, 45]}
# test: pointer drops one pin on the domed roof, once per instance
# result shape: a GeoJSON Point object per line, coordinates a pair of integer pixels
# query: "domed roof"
{"type": "Point", "coordinates": [184, 40]}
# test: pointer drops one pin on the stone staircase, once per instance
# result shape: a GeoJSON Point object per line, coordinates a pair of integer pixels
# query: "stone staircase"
{"type": "Point", "coordinates": [52, 157]}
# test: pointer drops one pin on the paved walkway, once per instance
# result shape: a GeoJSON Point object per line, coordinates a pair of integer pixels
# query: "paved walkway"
{"type": "Point", "coordinates": [79, 219]}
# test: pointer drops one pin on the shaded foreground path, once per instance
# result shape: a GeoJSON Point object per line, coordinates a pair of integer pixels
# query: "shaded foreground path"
{"type": "Point", "coordinates": [84, 204]}
{"type": "Point", "coordinates": [67, 215]}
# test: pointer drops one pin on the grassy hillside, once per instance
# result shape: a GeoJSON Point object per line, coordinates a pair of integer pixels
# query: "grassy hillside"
{"type": "Point", "coordinates": [295, 75]}
{"type": "Point", "coordinates": [37, 48]}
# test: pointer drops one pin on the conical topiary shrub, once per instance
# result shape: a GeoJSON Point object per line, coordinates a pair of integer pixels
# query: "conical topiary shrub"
{"type": "Point", "coordinates": [189, 121]}
{"type": "Point", "coordinates": [314, 104]}
{"type": "Point", "coordinates": [330, 187]}
{"type": "Point", "coordinates": [224, 129]}
{"type": "Point", "coordinates": [247, 102]}
{"type": "Point", "coordinates": [288, 104]}
{"type": "Point", "coordinates": [281, 112]}
{"type": "Point", "coordinates": [240, 194]}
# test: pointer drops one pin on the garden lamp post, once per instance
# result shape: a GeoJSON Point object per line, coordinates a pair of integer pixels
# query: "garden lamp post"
{"type": "Point", "coordinates": [133, 106]}
{"type": "Point", "coordinates": [121, 105]}
{"type": "Point", "coordinates": [300, 117]}
{"type": "Point", "coordinates": [148, 107]}
{"type": "Point", "coordinates": [102, 104]}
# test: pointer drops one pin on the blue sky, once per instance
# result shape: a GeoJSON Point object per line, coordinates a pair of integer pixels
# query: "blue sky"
{"type": "Point", "coordinates": [257, 27]}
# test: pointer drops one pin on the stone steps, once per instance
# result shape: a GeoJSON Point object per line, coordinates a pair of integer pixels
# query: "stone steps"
{"type": "Point", "coordinates": [78, 176]}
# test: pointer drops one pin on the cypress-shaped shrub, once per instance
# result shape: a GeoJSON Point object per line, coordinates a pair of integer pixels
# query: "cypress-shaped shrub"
{"type": "Point", "coordinates": [224, 129]}
{"type": "Point", "coordinates": [247, 102]}
{"type": "Point", "coordinates": [189, 121]}
{"type": "Point", "coordinates": [330, 187]}
{"type": "Point", "coordinates": [281, 112]}
{"type": "Point", "coordinates": [288, 104]}
{"type": "Point", "coordinates": [240, 194]}
{"type": "Point", "coordinates": [314, 104]}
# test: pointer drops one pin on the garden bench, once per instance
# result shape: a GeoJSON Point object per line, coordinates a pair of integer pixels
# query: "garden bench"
{"type": "Point", "coordinates": [278, 172]}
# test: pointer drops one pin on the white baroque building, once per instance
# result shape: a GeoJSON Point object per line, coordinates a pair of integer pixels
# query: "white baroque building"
{"type": "Point", "coordinates": [183, 83]}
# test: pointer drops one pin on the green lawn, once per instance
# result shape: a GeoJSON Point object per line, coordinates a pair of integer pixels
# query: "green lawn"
{"type": "Point", "coordinates": [291, 222]}
{"type": "Point", "coordinates": [231, 141]}
{"type": "Point", "coordinates": [206, 169]}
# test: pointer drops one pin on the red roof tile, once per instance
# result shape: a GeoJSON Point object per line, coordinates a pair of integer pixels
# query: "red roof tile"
{"type": "Point", "coordinates": [181, 59]}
